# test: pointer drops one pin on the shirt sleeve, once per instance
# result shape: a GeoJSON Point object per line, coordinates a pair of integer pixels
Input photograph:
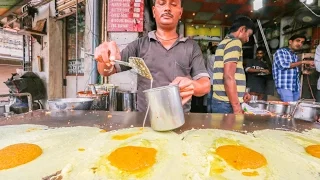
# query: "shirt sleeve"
{"type": "Point", "coordinates": [131, 50]}
{"type": "Point", "coordinates": [198, 69]}
{"type": "Point", "coordinates": [317, 59]}
{"type": "Point", "coordinates": [232, 51]}
{"type": "Point", "coordinates": [282, 59]}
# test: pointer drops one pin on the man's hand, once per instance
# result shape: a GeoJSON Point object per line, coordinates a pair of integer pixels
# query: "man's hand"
{"type": "Point", "coordinates": [186, 88]}
{"type": "Point", "coordinates": [107, 52]}
{"type": "Point", "coordinates": [246, 97]}
{"type": "Point", "coordinates": [311, 63]}
{"type": "Point", "coordinates": [237, 109]}
{"type": "Point", "coordinates": [266, 71]}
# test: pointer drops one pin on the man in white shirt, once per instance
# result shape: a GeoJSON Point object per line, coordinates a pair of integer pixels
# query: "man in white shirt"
{"type": "Point", "coordinates": [317, 64]}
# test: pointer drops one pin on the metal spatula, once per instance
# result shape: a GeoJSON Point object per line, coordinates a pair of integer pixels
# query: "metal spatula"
{"type": "Point", "coordinates": [137, 64]}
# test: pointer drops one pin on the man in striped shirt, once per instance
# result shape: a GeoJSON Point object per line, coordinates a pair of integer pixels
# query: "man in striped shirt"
{"type": "Point", "coordinates": [229, 81]}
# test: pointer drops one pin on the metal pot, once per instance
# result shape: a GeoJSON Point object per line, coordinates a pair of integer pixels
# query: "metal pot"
{"type": "Point", "coordinates": [263, 105]}
{"type": "Point", "coordinates": [99, 100]}
{"type": "Point", "coordinates": [306, 111]}
{"type": "Point", "coordinates": [2, 108]}
{"type": "Point", "coordinates": [126, 101]}
{"type": "Point", "coordinates": [112, 99]}
{"type": "Point", "coordinates": [278, 107]}
{"type": "Point", "coordinates": [254, 98]}
{"type": "Point", "coordinates": [70, 104]}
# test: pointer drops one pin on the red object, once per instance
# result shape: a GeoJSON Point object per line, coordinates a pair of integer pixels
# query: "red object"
{"type": "Point", "coordinates": [125, 15]}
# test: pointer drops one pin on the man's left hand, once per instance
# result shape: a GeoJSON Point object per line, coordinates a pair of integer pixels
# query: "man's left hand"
{"type": "Point", "coordinates": [186, 88]}
{"type": "Point", "coordinates": [246, 97]}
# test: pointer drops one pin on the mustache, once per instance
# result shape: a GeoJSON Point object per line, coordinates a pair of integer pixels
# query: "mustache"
{"type": "Point", "coordinates": [167, 14]}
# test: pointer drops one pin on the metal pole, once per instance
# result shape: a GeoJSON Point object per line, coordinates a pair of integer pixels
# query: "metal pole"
{"type": "Point", "coordinates": [77, 47]}
{"type": "Point", "coordinates": [24, 52]}
{"type": "Point", "coordinates": [95, 36]}
{"type": "Point", "coordinates": [255, 40]}
{"type": "Point", "coordinates": [264, 40]}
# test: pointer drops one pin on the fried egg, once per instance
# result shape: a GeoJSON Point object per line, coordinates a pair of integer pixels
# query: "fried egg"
{"type": "Point", "coordinates": [295, 152]}
{"type": "Point", "coordinates": [134, 153]}
{"type": "Point", "coordinates": [232, 155]}
{"type": "Point", "coordinates": [35, 152]}
{"type": "Point", "coordinates": [226, 155]}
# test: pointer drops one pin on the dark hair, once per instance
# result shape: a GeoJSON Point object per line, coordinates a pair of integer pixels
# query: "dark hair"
{"type": "Point", "coordinates": [242, 21]}
{"type": "Point", "coordinates": [296, 36]}
{"type": "Point", "coordinates": [260, 49]}
{"type": "Point", "coordinates": [154, 2]}
{"type": "Point", "coordinates": [213, 49]}
{"type": "Point", "coordinates": [209, 45]}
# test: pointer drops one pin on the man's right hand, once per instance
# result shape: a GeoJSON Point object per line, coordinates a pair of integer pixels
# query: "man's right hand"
{"type": "Point", "coordinates": [107, 52]}
{"type": "Point", "coordinates": [266, 71]}
{"type": "Point", "coordinates": [237, 109]}
{"type": "Point", "coordinates": [311, 63]}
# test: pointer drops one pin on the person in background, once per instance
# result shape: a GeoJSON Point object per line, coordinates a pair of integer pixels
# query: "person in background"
{"type": "Point", "coordinates": [171, 59]}
{"type": "Point", "coordinates": [199, 104]}
{"type": "Point", "coordinates": [285, 69]}
{"type": "Point", "coordinates": [209, 49]}
{"type": "Point", "coordinates": [229, 80]}
{"type": "Point", "coordinates": [317, 64]}
{"type": "Point", "coordinates": [257, 69]}
{"type": "Point", "coordinates": [210, 62]}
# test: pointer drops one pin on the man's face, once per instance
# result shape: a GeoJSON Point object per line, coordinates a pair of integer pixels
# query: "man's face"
{"type": "Point", "coordinates": [167, 12]}
{"type": "Point", "coordinates": [259, 55]}
{"type": "Point", "coordinates": [244, 34]}
{"type": "Point", "coordinates": [296, 44]}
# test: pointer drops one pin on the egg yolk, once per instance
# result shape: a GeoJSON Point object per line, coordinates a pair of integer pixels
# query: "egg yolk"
{"type": "Point", "coordinates": [254, 173]}
{"type": "Point", "coordinates": [241, 157]}
{"type": "Point", "coordinates": [313, 150]}
{"type": "Point", "coordinates": [133, 158]}
{"type": "Point", "coordinates": [124, 136]}
{"type": "Point", "coordinates": [18, 154]}
{"type": "Point", "coordinates": [31, 129]}
{"type": "Point", "coordinates": [102, 131]}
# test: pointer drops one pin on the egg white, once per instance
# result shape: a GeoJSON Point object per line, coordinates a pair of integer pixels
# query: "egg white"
{"type": "Point", "coordinates": [288, 149]}
{"type": "Point", "coordinates": [59, 146]}
{"type": "Point", "coordinates": [205, 142]}
{"type": "Point", "coordinates": [80, 152]}
{"type": "Point", "coordinates": [168, 164]}
{"type": "Point", "coordinates": [313, 132]}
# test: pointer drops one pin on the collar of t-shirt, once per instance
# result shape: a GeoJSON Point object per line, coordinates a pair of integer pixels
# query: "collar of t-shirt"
{"type": "Point", "coordinates": [230, 36]}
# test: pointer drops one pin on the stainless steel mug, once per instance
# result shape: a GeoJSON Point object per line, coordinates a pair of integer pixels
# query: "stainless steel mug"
{"type": "Point", "coordinates": [254, 98]}
{"type": "Point", "coordinates": [125, 101]}
{"type": "Point", "coordinates": [166, 112]}
{"type": "Point", "coordinates": [112, 101]}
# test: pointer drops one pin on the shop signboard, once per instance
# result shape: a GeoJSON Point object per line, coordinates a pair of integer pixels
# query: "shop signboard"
{"type": "Point", "coordinates": [125, 15]}
{"type": "Point", "coordinates": [11, 45]}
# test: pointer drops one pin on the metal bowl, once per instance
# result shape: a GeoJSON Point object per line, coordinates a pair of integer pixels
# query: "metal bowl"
{"type": "Point", "coordinates": [278, 107]}
{"type": "Point", "coordinates": [308, 111]}
{"type": "Point", "coordinates": [70, 104]}
{"type": "Point", "coordinates": [99, 100]}
{"type": "Point", "coordinates": [263, 105]}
